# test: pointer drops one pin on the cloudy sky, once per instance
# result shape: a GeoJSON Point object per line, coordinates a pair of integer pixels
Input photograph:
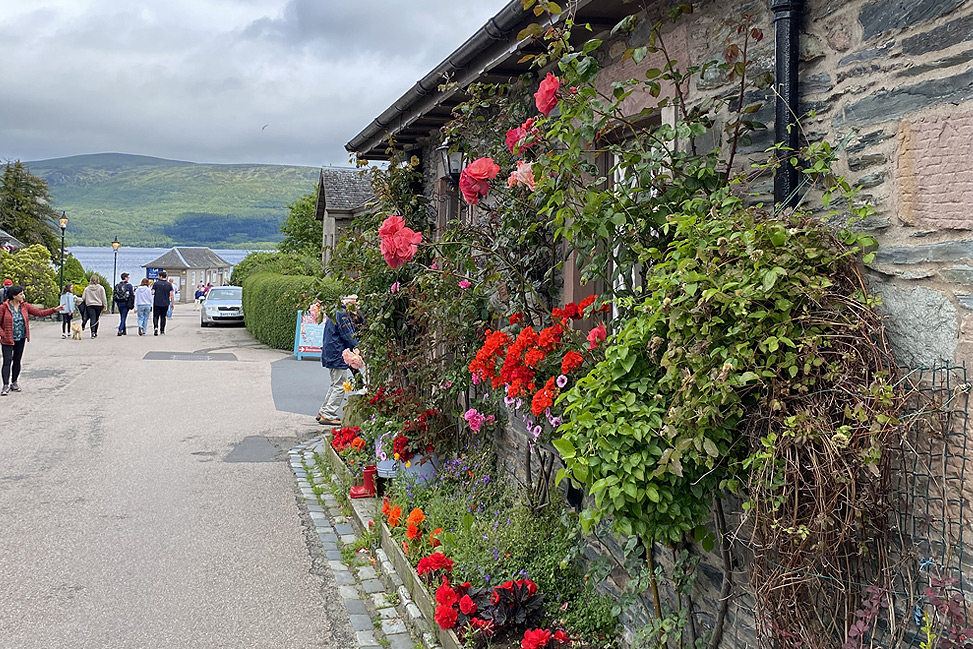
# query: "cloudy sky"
{"type": "Point", "coordinates": [268, 81]}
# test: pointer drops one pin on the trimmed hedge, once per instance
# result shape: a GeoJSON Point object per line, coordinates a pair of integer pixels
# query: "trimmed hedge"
{"type": "Point", "coordinates": [271, 302]}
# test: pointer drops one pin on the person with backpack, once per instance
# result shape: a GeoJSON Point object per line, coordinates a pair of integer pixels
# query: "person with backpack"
{"type": "Point", "coordinates": [15, 332]}
{"type": "Point", "coordinates": [7, 283]}
{"type": "Point", "coordinates": [95, 302]}
{"type": "Point", "coordinates": [339, 335]}
{"type": "Point", "coordinates": [124, 298]}
{"type": "Point", "coordinates": [161, 301]}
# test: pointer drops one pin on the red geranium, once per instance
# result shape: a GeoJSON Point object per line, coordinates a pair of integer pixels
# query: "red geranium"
{"type": "Point", "coordinates": [571, 361]}
{"type": "Point", "coordinates": [546, 96]}
{"type": "Point", "coordinates": [588, 301]}
{"type": "Point", "coordinates": [474, 181]}
{"type": "Point", "coordinates": [399, 243]}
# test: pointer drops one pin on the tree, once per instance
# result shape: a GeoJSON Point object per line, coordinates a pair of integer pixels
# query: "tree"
{"type": "Point", "coordinates": [302, 232]}
{"type": "Point", "coordinates": [26, 210]}
{"type": "Point", "coordinates": [31, 268]}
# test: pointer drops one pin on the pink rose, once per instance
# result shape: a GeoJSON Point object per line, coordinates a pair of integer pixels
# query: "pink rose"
{"type": "Point", "coordinates": [546, 96]}
{"type": "Point", "coordinates": [390, 226]}
{"type": "Point", "coordinates": [523, 175]}
{"type": "Point", "coordinates": [474, 181]}
{"type": "Point", "coordinates": [399, 243]}
{"type": "Point", "coordinates": [464, 284]}
{"type": "Point", "coordinates": [596, 336]}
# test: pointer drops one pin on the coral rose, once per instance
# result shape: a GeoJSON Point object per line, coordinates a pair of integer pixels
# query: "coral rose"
{"type": "Point", "coordinates": [516, 136]}
{"type": "Point", "coordinates": [546, 96]}
{"type": "Point", "coordinates": [390, 226]}
{"type": "Point", "coordinates": [474, 181]}
{"type": "Point", "coordinates": [400, 246]}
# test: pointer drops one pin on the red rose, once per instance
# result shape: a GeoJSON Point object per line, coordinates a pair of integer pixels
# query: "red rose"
{"type": "Point", "coordinates": [446, 617]}
{"type": "Point", "coordinates": [474, 181]}
{"type": "Point", "coordinates": [534, 639]}
{"type": "Point", "coordinates": [467, 605]}
{"type": "Point", "coordinates": [516, 136]}
{"type": "Point", "coordinates": [546, 96]}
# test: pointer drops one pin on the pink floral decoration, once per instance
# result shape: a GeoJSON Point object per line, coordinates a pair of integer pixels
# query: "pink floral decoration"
{"type": "Point", "coordinates": [399, 243]}
{"type": "Point", "coordinates": [474, 181]}
{"type": "Point", "coordinates": [523, 175]}
{"type": "Point", "coordinates": [464, 284]}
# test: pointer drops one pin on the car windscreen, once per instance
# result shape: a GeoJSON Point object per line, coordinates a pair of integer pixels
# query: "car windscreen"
{"type": "Point", "coordinates": [225, 294]}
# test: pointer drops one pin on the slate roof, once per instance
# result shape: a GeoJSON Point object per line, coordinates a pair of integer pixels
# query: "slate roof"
{"type": "Point", "coordinates": [7, 239]}
{"type": "Point", "coordinates": [342, 189]}
{"type": "Point", "coordinates": [188, 258]}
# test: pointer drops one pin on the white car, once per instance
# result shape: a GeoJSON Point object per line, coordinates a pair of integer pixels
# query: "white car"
{"type": "Point", "coordinates": [222, 304]}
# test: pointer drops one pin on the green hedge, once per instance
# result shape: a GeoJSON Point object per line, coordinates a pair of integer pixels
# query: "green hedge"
{"type": "Point", "coordinates": [271, 302]}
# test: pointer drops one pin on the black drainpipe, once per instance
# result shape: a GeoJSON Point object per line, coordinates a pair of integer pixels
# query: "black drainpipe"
{"type": "Point", "coordinates": [787, 19]}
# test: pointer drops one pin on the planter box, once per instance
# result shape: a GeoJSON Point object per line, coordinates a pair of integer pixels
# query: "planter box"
{"type": "Point", "coordinates": [366, 509]}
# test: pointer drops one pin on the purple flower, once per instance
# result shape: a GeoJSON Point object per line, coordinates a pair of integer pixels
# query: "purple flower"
{"type": "Point", "coordinates": [561, 381]}
{"type": "Point", "coordinates": [506, 400]}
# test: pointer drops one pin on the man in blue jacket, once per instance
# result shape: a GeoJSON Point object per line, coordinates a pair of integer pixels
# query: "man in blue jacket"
{"type": "Point", "coordinates": [339, 335]}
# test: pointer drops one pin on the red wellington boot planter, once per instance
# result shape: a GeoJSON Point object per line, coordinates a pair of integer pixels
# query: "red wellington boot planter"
{"type": "Point", "coordinates": [368, 489]}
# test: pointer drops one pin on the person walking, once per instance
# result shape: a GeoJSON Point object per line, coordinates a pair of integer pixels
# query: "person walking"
{"type": "Point", "coordinates": [15, 333]}
{"type": "Point", "coordinates": [198, 296]}
{"type": "Point", "coordinates": [95, 302]}
{"type": "Point", "coordinates": [67, 309]}
{"type": "Point", "coordinates": [143, 304]}
{"type": "Point", "coordinates": [175, 294]}
{"type": "Point", "coordinates": [161, 301]}
{"type": "Point", "coordinates": [124, 297]}
{"type": "Point", "coordinates": [339, 335]}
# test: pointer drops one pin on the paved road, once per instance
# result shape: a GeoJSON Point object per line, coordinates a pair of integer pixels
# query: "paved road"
{"type": "Point", "coordinates": [131, 516]}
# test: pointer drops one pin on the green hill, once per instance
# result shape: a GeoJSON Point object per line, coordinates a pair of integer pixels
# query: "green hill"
{"type": "Point", "coordinates": [147, 201]}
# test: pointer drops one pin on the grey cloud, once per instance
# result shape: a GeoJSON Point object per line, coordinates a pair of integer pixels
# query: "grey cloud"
{"type": "Point", "coordinates": [149, 78]}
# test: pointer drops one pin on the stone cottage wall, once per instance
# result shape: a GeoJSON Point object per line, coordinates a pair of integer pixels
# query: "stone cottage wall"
{"type": "Point", "coordinates": [893, 81]}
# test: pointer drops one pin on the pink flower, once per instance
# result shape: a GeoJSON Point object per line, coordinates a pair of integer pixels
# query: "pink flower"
{"type": "Point", "coordinates": [352, 359]}
{"type": "Point", "coordinates": [474, 181]}
{"type": "Point", "coordinates": [474, 419]}
{"type": "Point", "coordinates": [516, 136]}
{"type": "Point", "coordinates": [399, 243]}
{"type": "Point", "coordinates": [395, 287]}
{"type": "Point", "coordinates": [433, 266]}
{"type": "Point", "coordinates": [464, 284]}
{"type": "Point", "coordinates": [546, 96]}
{"type": "Point", "coordinates": [596, 336]}
{"type": "Point", "coordinates": [524, 175]}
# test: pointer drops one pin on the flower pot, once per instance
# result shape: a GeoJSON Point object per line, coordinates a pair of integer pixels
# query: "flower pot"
{"type": "Point", "coordinates": [422, 468]}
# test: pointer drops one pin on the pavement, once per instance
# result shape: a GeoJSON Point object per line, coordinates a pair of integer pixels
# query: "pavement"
{"type": "Point", "coordinates": [147, 499]}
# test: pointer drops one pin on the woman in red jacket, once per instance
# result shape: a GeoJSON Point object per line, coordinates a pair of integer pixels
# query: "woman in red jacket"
{"type": "Point", "coordinates": [14, 334]}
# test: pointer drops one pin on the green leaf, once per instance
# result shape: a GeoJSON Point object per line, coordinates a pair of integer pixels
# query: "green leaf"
{"type": "Point", "coordinates": [467, 522]}
{"type": "Point", "coordinates": [565, 448]}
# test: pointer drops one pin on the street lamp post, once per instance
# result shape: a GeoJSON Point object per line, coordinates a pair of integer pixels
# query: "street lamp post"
{"type": "Point", "coordinates": [115, 246]}
{"type": "Point", "coordinates": [64, 226]}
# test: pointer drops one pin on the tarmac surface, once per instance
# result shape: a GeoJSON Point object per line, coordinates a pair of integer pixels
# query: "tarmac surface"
{"type": "Point", "coordinates": [146, 500]}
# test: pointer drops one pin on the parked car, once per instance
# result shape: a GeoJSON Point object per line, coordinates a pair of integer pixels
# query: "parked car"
{"type": "Point", "coordinates": [222, 304]}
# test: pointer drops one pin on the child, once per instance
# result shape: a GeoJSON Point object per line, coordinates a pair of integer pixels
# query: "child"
{"type": "Point", "coordinates": [67, 301]}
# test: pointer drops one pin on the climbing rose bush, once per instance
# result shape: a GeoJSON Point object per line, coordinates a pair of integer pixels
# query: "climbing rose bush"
{"type": "Point", "coordinates": [546, 96]}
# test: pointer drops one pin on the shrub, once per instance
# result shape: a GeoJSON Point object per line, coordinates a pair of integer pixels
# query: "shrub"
{"type": "Point", "coordinates": [275, 262]}
{"type": "Point", "coordinates": [271, 302]}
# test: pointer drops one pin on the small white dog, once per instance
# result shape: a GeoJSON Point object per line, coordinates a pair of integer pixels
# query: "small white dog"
{"type": "Point", "coordinates": [75, 331]}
